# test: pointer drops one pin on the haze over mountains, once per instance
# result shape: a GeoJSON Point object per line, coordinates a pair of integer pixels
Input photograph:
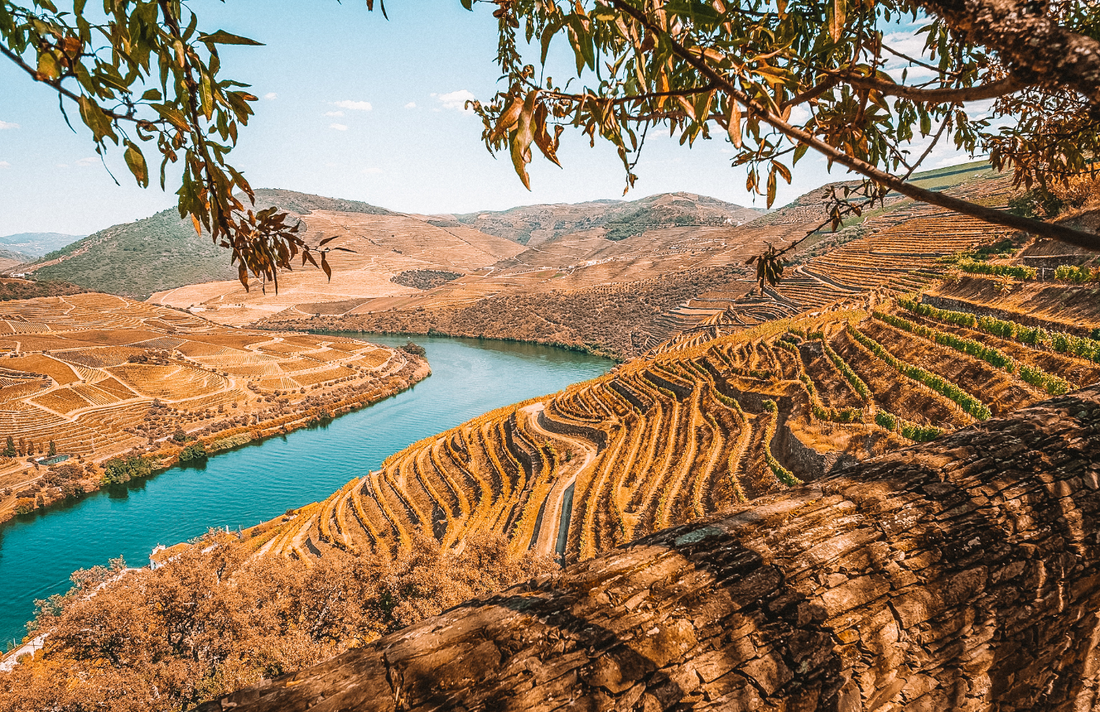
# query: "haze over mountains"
{"type": "Point", "coordinates": [36, 244]}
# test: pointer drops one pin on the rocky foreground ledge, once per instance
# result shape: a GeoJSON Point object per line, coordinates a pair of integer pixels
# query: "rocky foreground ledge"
{"type": "Point", "coordinates": [963, 574]}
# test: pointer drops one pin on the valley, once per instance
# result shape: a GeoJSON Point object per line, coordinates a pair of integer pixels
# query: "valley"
{"type": "Point", "coordinates": [910, 325]}
{"type": "Point", "coordinates": [699, 428]}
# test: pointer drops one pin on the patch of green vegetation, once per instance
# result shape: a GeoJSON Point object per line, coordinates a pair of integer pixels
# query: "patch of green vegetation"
{"type": "Point", "coordinates": [163, 252]}
{"type": "Point", "coordinates": [121, 470]}
{"type": "Point", "coordinates": [139, 258]}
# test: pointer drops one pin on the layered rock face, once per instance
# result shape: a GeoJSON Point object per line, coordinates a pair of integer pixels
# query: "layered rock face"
{"type": "Point", "coordinates": [963, 574]}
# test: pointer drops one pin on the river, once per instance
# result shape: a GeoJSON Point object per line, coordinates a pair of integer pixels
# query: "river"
{"type": "Point", "coordinates": [259, 482]}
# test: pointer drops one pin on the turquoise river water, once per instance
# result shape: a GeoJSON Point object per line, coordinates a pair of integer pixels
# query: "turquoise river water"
{"type": "Point", "coordinates": [256, 483]}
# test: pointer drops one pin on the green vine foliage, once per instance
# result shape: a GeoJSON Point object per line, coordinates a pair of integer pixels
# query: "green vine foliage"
{"type": "Point", "coordinates": [964, 400]}
{"type": "Point", "coordinates": [1082, 347]}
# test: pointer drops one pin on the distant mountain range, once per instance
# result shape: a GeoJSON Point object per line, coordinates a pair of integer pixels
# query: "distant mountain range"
{"type": "Point", "coordinates": [162, 252]}
{"type": "Point", "coordinates": [617, 219]}
{"type": "Point", "coordinates": [36, 244]}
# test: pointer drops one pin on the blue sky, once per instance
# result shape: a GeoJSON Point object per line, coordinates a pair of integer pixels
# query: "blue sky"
{"type": "Point", "coordinates": [352, 106]}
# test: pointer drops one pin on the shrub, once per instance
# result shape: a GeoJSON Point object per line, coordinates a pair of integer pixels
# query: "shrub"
{"type": "Point", "coordinates": [1036, 203]}
{"type": "Point", "coordinates": [1077, 275]}
{"type": "Point", "coordinates": [1017, 271]}
{"type": "Point", "coordinates": [1053, 385]}
{"type": "Point", "coordinates": [121, 470]}
{"type": "Point", "coordinates": [919, 433]}
{"type": "Point", "coordinates": [193, 453]}
{"type": "Point", "coordinates": [24, 505]}
{"type": "Point", "coordinates": [72, 490]}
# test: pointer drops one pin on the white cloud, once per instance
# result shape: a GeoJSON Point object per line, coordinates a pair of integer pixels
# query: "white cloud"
{"type": "Point", "coordinates": [334, 113]}
{"type": "Point", "coordinates": [799, 115]}
{"type": "Point", "coordinates": [455, 100]}
{"type": "Point", "coordinates": [6, 125]}
{"type": "Point", "coordinates": [372, 171]}
{"type": "Point", "coordinates": [271, 96]}
{"type": "Point", "coordinates": [353, 105]}
{"type": "Point", "coordinates": [954, 160]}
{"type": "Point", "coordinates": [907, 43]}
{"type": "Point", "coordinates": [5, 164]}
{"type": "Point", "coordinates": [410, 105]}
{"type": "Point", "coordinates": [338, 127]}
{"type": "Point", "coordinates": [89, 161]}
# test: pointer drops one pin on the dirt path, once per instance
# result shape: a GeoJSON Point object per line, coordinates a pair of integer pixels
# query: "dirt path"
{"type": "Point", "coordinates": [547, 536]}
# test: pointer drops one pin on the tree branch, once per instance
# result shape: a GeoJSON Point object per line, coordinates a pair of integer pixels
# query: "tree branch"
{"type": "Point", "coordinates": [952, 95]}
{"type": "Point", "coordinates": [1028, 41]}
{"type": "Point", "coordinates": [1061, 233]}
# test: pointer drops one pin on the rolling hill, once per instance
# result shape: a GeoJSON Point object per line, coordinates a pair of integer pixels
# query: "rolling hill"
{"type": "Point", "coordinates": [163, 252]}
{"type": "Point", "coordinates": [36, 244]}
{"type": "Point", "coordinates": [11, 258]}
{"type": "Point", "coordinates": [614, 219]}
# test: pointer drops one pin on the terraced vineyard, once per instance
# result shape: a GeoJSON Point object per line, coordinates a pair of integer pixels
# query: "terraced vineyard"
{"type": "Point", "coordinates": [680, 435]}
{"type": "Point", "coordinates": [98, 376]}
{"type": "Point", "coordinates": [900, 251]}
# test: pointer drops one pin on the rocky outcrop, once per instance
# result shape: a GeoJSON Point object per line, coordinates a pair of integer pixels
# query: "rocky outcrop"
{"type": "Point", "coordinates": [962, 574]}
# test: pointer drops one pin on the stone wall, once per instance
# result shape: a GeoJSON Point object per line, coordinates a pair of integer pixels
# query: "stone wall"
{"type": "Point", "coordinates": [806, 463]}
{"type": "Point", "coordinates": [962, 574]}
{"type": "Point", "coordinates": [680, 389]}
{"type": "Point", "coordinates": [1025, 319]}
{"type": "Point", "coordinates": [572, 428]}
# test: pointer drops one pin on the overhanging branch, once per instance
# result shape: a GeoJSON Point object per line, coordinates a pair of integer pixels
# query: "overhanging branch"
{"type": "Point", "coordinates": [1089, 241]}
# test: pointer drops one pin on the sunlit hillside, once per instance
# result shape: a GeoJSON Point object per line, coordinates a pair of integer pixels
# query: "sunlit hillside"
{"type": "Point", "coordinates": [677, 436]}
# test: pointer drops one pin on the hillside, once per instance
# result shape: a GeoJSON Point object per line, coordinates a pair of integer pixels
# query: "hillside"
{"type": "Point", "coordinates": [163, 252]}
{"type": "Point", "coordinates": [409, 262]}
{"type": "Point", "coordinates": [625, 298]}
{"type": "Point", "coordinates": [612, 219]}
{"type": "Point", "coordinates": [700, 427]}
{"type": "Point", "coordinates": [11, 258]}
{"type": "Point", "coordinates": [98, 376]}
{"type": "Point", "coordinates": [36, 244]}
{"type": "Point", "coordinates": [884, 587]}
{"type": "Point", "coordinates": [135, 259]}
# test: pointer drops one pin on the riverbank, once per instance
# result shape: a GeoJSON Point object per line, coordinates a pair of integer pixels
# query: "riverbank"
{"type": "Point", "coordinates": [335, 325]}
{"type": "Point", "coordinates": [164, 454]}
{"type": "Point", "coordinates": [247, 485]}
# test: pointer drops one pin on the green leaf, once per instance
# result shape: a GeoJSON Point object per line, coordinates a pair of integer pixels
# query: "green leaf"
{"type": "Point", "coordinates": [136, 162]}
{"type": "Point", "coordinates": [47, 67]}
{"type": "Point", "coordinates": [223, 37]}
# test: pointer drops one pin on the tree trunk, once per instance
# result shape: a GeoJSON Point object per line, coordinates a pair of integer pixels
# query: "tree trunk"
{"type": "Point", "coordinates": [1028, 40]}
{"type": "Point", "coordinates": [962, 574]}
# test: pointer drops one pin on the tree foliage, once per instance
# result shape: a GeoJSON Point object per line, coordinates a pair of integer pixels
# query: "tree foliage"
{"type": "Point", "coordinates": [775, 77]}
{"type": "Point", "coordinates": [217, 619]}
{"type": "Point", "coordinates": [779, 77]}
